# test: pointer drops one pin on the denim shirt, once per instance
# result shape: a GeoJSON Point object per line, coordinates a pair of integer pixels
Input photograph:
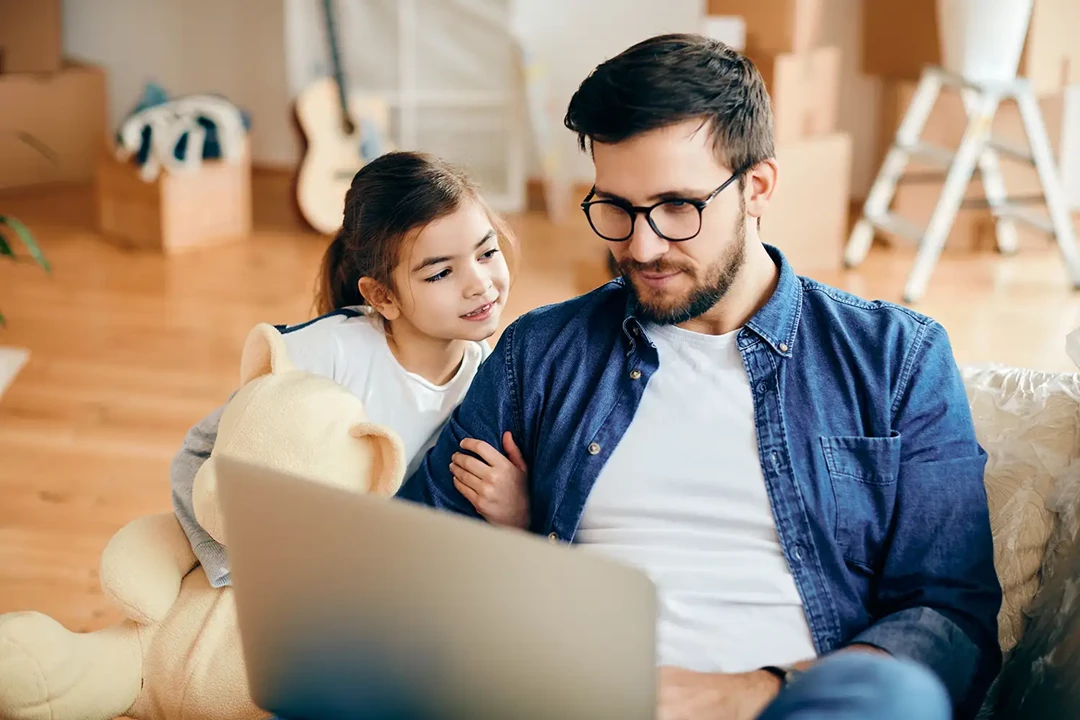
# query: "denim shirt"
{"type": "Point", "coordinates": [866, 441]}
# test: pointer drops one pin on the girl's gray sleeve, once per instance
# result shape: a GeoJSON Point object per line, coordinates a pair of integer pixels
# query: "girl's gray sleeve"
{"type": "Point", "coordinates": [198, 442]}
{"type": "Point", "coordinates": [312, 349]}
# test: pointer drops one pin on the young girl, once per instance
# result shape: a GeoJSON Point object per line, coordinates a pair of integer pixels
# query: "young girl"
{"type": "Point", "coordinates": [410, 290]}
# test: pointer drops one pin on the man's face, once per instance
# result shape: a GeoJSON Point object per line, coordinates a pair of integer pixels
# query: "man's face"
{"type": "Point", "coordinates": [674, 282]}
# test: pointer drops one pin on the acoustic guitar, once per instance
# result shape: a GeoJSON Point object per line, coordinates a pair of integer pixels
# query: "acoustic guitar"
{"type": "Point", "coordinates": [343, 133]}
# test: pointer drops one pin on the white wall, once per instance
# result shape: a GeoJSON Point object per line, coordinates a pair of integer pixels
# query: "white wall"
{"type": "Point", "coordinates": [458, 47]}
{"type": "Point", "coordinates": [259, 53]}
{"type": "Point", "coordinates": [460, 52]}
{"type": "Point", "coordinates": [576, 36]}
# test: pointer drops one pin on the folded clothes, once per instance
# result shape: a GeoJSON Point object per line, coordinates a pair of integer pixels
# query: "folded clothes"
{"type": "Point", "coordinates": [179, 133]}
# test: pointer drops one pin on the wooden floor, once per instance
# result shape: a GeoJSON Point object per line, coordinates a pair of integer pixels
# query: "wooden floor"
{"type": "Point", "coordinates": [129, 349]}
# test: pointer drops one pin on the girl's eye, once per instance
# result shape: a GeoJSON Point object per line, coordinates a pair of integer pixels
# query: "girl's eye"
{"type": "Point", "coordinates": [438, 277]}
{"type": "Point", "coordinates": [490, 254]}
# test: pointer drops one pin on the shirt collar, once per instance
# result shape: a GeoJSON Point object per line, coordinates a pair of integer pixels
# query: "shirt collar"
{"type": "Point", "coordinates": [776, 322]}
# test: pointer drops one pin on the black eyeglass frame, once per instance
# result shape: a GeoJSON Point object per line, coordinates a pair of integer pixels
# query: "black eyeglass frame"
{"type": "Point", "coordinates": [634, 210]}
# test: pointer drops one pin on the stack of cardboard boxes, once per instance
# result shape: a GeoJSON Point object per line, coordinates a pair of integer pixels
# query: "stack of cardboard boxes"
{"type": "Point", "coordinates": [52, 111]}
{"type": "Point", "coordinates": [900, 39]}
{"type": "Point", "coordinates": [54, 128]}
{"type": "Point", "coordinates": [808, 216]}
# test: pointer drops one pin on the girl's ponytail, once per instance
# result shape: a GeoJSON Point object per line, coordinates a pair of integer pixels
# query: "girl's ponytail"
{"type": "Point", "coordinates": [339, 281]}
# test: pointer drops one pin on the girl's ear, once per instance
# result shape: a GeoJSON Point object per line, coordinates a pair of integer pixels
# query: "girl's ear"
{"type": "Point", "coordinates": [379, 297]}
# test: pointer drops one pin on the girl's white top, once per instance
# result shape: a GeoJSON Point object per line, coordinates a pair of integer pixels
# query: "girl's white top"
{"type": "Point", "coordinates": [350, 347]}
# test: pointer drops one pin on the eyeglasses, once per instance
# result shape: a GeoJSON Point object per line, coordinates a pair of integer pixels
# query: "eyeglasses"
{"type": "Point", "coordinates": [674, 219]}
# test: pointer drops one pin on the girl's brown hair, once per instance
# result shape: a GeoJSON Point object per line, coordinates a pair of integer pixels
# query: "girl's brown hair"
{"type": "Point", "coordinates": [390, 198]}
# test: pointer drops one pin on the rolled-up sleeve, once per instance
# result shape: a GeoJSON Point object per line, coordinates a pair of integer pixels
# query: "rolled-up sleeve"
{"type": "Point", "coordinates": [938, 594]}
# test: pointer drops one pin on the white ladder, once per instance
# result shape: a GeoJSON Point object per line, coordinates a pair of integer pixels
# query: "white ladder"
{"type": "Point", "coordinates": [977, 148]}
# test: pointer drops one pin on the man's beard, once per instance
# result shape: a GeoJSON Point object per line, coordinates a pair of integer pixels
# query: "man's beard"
{"type": "Point", "coordinates": [719, 277]}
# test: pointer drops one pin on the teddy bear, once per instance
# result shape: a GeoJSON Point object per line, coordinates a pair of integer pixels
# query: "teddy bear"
{"type": "Point", "coordinates": [178, 652]}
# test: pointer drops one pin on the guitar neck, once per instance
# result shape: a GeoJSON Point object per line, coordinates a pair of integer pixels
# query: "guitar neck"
{"type": "Point", "coordinates": [335, 60]}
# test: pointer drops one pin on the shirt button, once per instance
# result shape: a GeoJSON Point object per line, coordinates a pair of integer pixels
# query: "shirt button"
{"type": "Point", "coordinates": [594, 448]}
{"type": "Point", "coordinates": [635, 374]}
{"type": "Point", "coordinates": [783, 347]}
{"type": "Point", "coordinates": [798, 552]}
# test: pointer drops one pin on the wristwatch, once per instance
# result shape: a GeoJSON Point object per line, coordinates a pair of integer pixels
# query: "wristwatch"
{"type": "Point", "coordinates": [785, 674]}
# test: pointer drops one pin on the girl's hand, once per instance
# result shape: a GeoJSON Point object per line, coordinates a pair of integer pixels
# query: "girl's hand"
{"type": "Point", "coordinates": [495, 485]}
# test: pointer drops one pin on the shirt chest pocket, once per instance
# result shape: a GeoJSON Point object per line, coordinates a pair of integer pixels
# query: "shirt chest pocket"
{"type": "Point", "coordinates": [863, 472]}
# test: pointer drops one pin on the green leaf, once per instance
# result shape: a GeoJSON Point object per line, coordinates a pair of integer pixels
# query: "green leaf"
{"type": "Point", "coordinates": [5, 249]}
{"type": "Point", "coordinates": [3, 322]}
{"type": "Point", "coordinates": [28, 240]}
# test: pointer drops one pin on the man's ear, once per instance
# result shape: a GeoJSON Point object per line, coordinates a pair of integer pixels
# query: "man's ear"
{"type": "Point", "coordinates": [264, 353]}
{"type": "Point", "coordinates": [388, 456]}
{"type": "Point", "coordinates": [379, 297]}
{"type": "Point", "coordinates": [760, 185]}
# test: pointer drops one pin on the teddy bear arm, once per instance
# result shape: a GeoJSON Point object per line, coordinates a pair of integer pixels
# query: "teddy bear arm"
{"type": "Point", "coordinates": [143, 565]}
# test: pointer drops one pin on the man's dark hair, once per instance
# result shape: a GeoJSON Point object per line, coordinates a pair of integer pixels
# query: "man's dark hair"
{"type": "Point", "coordinates": [671, 78]}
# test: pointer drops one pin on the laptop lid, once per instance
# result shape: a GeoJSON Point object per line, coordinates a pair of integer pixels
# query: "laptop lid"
{"type": "Point", "coordinates": [357, 606]}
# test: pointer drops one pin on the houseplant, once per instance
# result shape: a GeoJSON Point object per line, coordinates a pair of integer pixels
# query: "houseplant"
{"type": "Point", "coordinates": [10, 227]}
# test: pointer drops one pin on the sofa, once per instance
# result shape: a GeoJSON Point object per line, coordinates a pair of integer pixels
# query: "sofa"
{"type": "Point", "coordinates": [1029, 424]}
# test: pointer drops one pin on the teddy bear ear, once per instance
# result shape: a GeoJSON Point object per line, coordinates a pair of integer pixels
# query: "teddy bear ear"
{"type": "Point", "coordinates": [264, 354]}
{"type": "Point", "coordinates": [388, 466]}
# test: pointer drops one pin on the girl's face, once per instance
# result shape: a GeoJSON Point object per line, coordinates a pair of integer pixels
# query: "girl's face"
{"type": "Point", "coordinates": [453, 281]}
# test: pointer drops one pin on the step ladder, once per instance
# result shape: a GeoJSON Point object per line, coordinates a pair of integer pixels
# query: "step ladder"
{"type": "Point", "coordinates": [978, 151]}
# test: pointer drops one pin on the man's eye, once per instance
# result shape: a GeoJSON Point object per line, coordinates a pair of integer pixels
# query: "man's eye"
{"type": "Point", "coordinates": [679, 207]}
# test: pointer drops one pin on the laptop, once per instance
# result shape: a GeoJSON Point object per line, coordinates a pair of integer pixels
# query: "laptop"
{"type": "Point", "coordinates": [359, 606]}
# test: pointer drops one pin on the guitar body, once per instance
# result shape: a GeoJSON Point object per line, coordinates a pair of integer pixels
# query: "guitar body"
{"type": "Point", "coordinates": [334, 156]}
{"type": "Point", "coordinates": [342, 133]}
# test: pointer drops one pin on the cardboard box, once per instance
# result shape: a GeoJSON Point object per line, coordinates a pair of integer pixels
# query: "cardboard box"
{"type": "Point", "coordinates": [208, 205]}
{"type": "Point", "coordinates": [947, 121]}
{"type": "Point", "coordinates": [917, 193]}
{"type": "Point", "coordinates": [900, 38]}
{"type": "Point", "coordinates": [805, 91]}
{"type": "Point", "coordinates": [808, 215]}
{"type": "Point", "coordinates": [52, 127]}
{"type": "Point", "coordinates": [776, 26]}
{"type": "Point", "coordinates": [30, 36]}
{"type": "Point", "coordinates": [972, 229]}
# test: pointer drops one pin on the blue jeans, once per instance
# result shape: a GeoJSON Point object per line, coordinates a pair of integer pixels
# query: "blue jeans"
{"type": "Point", "coordinates": [859, 686]}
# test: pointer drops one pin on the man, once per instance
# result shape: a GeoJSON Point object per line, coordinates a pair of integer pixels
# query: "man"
{"type": "Point", "coordinates": [796, 468]}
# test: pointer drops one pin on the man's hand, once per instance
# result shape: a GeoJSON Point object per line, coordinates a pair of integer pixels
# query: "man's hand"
{"type": "Point", "coordinates": [495, 485]}
{"type": "Point", "coordinates": [688, 695]}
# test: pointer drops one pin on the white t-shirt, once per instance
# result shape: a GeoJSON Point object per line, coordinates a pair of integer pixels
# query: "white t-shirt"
{"type": "Point", "coordinates": [683, 498]}
{"type": "Point", "coordinates": [353, 352]}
